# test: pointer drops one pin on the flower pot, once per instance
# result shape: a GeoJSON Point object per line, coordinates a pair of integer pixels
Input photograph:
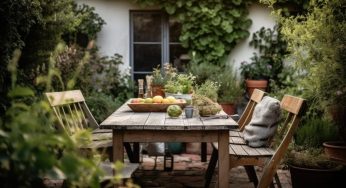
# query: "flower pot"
{"type": "Point", "coordinates": [336, 150]}
{"type": "Point", "coordinates": [307, 177]}
{"type": "Point", "coordinates": [255, 84]}
{"type": "Point", "coordinates": [228, 108]}
{"type": "Point", "coordinates": [157, 90]}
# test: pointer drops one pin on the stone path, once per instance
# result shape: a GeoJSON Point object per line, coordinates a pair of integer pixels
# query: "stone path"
{"type": "Point", "coordinates": [189, 172]}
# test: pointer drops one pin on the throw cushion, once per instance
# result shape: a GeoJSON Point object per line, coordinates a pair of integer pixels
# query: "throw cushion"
{"type": "Point", "coordinates": [263, 123]}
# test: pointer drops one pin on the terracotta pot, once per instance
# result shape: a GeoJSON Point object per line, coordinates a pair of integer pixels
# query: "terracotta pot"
{"type": "Point", "coordinates": [307, 177]}
{"type": "Point", "coordinates": [336, 150]}
{"type": "Point", "coordinates": [157, 90]}
{"type": "Point", "coordinates": [255, 84]}
{"type": "Point", "coordinates": [228, 108]}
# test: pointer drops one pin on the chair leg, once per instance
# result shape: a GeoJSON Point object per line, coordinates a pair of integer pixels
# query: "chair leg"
{"type": "Point", "coordinates": [204, 152]}
{"type": "Point", "coordinates": [211, 168]}
{"type": "Point", "coordinates": [129, 152]}
{"type": "Point", "coordinates": [277, 180]}
{"type": "Point", "coordinates": [251, 173]}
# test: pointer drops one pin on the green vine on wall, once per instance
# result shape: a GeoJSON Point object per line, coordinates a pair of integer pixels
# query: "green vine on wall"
{"type": "Point", "coordinates": [210, 28]}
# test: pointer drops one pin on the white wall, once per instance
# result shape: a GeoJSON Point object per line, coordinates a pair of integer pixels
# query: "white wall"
{"type": "Point", "coordinates": [115, 35]}
{"type": "Point", "coordinates": [260, 16]}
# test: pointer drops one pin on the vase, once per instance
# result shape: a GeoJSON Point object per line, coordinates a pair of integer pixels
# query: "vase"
{"type": "Point", "coordinates": [228, 108]}
{"type": "Point", "coordinates": [255, 84]}
{"type": "Point", "coordinates": [309, 177]}
{"type": "Point", "coordinates": [336, 150]}
{"type": "Point", "coordinates": [157, 90]}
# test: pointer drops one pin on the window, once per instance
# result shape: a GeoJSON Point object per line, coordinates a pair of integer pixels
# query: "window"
{"type": "Point", "coordinates": [154, 41]}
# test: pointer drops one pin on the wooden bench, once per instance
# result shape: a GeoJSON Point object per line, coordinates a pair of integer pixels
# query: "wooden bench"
{"type": "Point", "coordinates": [267, 157]}
{"type": "Point", "coordinates": [74, 115]}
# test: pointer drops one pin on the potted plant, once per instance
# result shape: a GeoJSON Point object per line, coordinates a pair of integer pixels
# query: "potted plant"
{"type": "Point", "coordinates": [180, 86]}
{"type": "Point", "coordinates": [308, 165]}
{"type": "Point", "coordinates": [205, 97]}
{"type": "Point", "coordinates": [159, 79]}
{"type": "Point", "coordinates": [230, 91]}
{"type": "Point", "coordinates": [268, 63]}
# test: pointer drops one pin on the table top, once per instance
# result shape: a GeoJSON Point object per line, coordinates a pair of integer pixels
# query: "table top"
{"type": "Point", "coordinates": [125, 119]}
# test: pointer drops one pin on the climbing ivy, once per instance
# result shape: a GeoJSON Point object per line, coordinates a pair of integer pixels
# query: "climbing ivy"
{"type": "Point", "coordinates": [210, 28]}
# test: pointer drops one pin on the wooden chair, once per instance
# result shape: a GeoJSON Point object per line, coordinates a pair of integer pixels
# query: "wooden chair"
{"type": "Point", "coordinates": [74, 115]}
{"type": "Point", "coordinates": [236, 137]}
{"type": "Point", "coordinates": [267, 157]}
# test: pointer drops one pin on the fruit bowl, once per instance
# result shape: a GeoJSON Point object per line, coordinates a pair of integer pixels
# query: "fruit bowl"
{"type": "Point", "coordinates": [153, 107]}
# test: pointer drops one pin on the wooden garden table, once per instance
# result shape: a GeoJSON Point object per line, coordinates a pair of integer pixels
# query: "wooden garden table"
{"type": "Point", "coordinates": [129, 126]}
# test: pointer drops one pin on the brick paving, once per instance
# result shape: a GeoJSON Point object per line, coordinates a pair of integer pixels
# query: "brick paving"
{"type": "Point", "coordinates": [189, 172]}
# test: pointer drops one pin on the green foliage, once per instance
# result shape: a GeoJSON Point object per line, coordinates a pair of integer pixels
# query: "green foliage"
{"type": "Point", "coordinates": [89, 24]}
{"type": "Point", "coordinates": [102, 105]}
{"type": "Point", "coordinates": [230, 89]}
{"type": "Point", "coordinates": [24, 158]}
{"type": "Point", "coordinates": [204, 71]}
{"type": "Point", "coordinates": [313, 132]}
{"type": "Point", "coordinates": [180, 84]}
{"type": "Point", "coordinates": [57, 17]}
{"type": "Point", "coordinates": [316, 41]}
{"type": "Point", "coordinates": [311, 158]}
{"type": "Point", "coordinates": [208, 89]}
{"type": "Point", "coordinates": [161, 78]}
{"type": "Point", "coordinates": [210, 29]}
{"type": "Point", "coordinates": [268, 64]}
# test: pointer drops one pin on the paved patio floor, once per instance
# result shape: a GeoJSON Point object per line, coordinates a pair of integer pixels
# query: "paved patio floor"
{"type": "Point", "coordinates": [189, 172]}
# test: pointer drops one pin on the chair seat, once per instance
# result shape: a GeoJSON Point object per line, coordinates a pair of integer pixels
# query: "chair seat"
{"type": "Point", "coordinates": [95, 131]}
{"type": "Point", "coordinates": [101, 136]}
{"type": "Point", "coordinates": [237, 140]}
{"type": "Point", "coordinates": [246, 151]}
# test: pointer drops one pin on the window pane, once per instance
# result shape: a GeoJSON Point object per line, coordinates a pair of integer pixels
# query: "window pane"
{"type": "Point", "coordinates": [147, 27]}
{"type": "Point", "coordinates": [174, 30]}
{"type": "Point", "coordinates": [146, 56]}
{"type": "Point", "coordinates": [175, 56]}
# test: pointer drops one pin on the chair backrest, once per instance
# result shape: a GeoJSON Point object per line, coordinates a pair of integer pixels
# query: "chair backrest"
{"type": "Point", "coordinates": [295, 107]}
{"type": "Point", "coordinates": [71, 110]}
{"type": "Point", "coordinates": [245, 118]}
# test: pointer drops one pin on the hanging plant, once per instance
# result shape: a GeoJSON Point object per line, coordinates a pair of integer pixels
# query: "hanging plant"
{"type": "Point", "coordinates": [210, 28]}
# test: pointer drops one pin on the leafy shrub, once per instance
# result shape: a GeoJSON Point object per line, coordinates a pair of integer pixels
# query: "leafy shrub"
{"type": "Point", "coordinates": [208, 89]}
{"type": "Point", "coordinates": [313, 132]}
{"type": "Point", "coordinates": [102, 105]}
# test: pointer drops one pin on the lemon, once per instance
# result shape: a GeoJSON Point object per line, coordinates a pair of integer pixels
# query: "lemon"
{"type": "Point", "coordinates": [157, 99]}
{"type": "Point", "coordinates": [148, 100]}
{"type": "Point", "coordinates": [171, 99]}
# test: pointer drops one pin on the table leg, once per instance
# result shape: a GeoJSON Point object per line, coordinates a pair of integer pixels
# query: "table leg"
{"type": "Point", "coordinates": [204, 152]}
{"type": "Point", "coordinates": [118, 145]}
{"type": "Point", "coordinates": [136, 152]}
{"type": "Point", "coordinates": [223, 150]}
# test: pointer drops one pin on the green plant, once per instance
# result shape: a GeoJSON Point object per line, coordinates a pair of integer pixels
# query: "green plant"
{"type": "Point", "coordinates": [102, 105]}
{"type": "Point", "coordinates": [89, 24]}
{"type": "Point", "coordinates": [204, 71]}
{"type": "Point", "coordinates": [180, 84]}
{"type": "Point", "coordinates": [24, 158]}
{"type": "Point", "coordinates": [210, 29]}
{"type": "Point", "coordinates": [230, 89]}
{"type": "Point", "coordinates": [208, 89]}
{"type": "Point", "coordinates": [268, 64]}
{"type": "Point", "coordinates": [314, 131]}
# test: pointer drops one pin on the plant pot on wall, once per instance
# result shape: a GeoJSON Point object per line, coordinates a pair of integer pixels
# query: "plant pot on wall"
{"type": "Point", "coordinates": [157, 90]}
{"type": "Point", "coordinates": [229, 108]}
{"type": "Point", "coordinates": [255, 84]}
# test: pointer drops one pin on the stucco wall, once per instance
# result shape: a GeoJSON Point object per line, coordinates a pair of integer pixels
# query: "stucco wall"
{"type": "Point", "coordinates": [114, 37]}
